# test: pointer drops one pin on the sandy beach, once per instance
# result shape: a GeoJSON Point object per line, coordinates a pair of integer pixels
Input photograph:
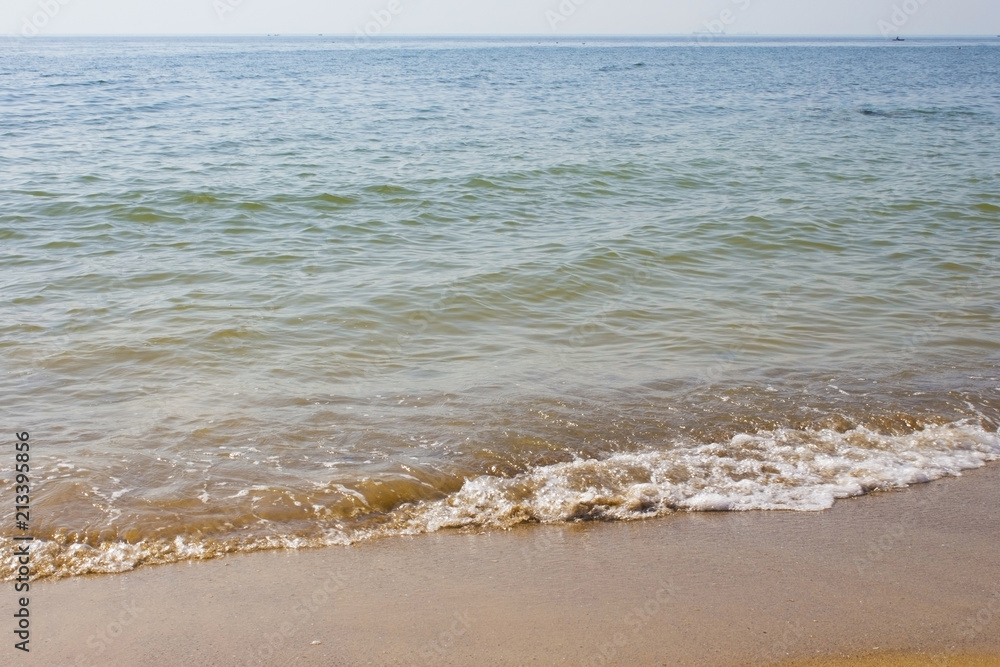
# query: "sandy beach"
{"type": "Point", "coordinates": [529, 348]}
{"type": "Point", "coordinates": [913, 571]}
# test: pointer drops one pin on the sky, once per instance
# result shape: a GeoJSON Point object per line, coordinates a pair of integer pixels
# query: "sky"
{"type": "Point", "coordinates": [29, 18]}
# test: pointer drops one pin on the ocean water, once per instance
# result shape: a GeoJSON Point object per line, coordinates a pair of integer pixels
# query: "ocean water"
{"type": "Point", "coordinates": [265, 293]}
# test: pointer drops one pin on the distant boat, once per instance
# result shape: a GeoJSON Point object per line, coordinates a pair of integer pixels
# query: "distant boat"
{"type": "Point", "coordinates": [899, 39]}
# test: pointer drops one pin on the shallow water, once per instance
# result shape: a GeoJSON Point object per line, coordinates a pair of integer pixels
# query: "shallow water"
{"type": "Point", "coordinates": [269, 293]}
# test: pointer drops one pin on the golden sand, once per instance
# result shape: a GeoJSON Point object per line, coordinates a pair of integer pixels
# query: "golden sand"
{"type": "Point", "coordinates": [914, 571]}
{"type": "Point", "coordinates": [901, 660]}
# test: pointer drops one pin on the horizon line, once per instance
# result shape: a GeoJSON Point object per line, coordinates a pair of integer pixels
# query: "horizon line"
{"type": "Point", "coordinates": [546, 35]}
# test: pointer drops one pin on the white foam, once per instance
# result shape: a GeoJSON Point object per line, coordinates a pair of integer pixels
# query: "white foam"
{"type": "Point", "coordinates": [770, 470]}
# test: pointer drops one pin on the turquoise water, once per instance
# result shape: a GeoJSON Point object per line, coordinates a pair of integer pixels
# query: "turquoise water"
{"type": "Point", "coordinates": [285, 292]}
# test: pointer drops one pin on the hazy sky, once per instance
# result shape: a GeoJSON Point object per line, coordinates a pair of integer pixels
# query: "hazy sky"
{"type": "Point", "coordinates": [820, 17]}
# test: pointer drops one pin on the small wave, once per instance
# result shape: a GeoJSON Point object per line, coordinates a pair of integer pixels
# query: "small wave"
{"type": "Point", "coordinates": [914, 113]}
{"type": "Point", "coordinates": [771, 470]}
{"type": "Point", "coordinates": [784, 469]}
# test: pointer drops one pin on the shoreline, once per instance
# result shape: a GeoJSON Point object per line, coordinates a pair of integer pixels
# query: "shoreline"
{"type": "Point", "coordinates": [912, 571]}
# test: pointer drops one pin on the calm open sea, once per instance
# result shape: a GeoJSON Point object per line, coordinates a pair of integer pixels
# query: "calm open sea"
{"type": "Point", "coordinates": [278, 292]}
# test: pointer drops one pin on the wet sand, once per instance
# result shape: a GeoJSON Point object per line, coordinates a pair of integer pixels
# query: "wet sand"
{"type": "Point", "coordinates": [901, 660]}
{"type": "Point", "coordinates": [914, 572]}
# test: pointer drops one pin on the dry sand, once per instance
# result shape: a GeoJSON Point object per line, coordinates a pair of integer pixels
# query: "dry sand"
{"type": "Point", "coordinates": [916, 571]}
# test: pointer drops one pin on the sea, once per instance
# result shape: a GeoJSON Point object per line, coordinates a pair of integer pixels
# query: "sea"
{"type": "Point", "coordinates": [287, 292]}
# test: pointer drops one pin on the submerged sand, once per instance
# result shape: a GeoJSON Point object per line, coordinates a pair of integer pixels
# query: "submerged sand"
{"type": "Point", "coordinates": [897, 578]}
